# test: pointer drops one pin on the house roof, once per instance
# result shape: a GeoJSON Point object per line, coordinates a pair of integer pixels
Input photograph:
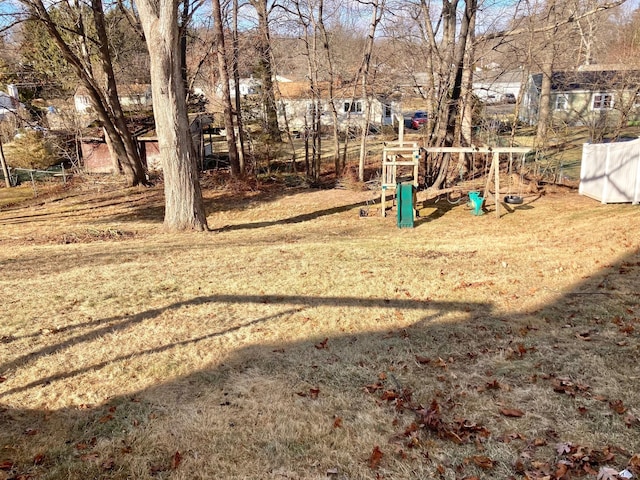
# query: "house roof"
{"type": "Point", "coordinates": [302, 90]}
{"type": "Point", "coordinates": [142, 127]}
{"type": "Point", "coordinates": [604, 80]}
{"type": "Point", "coordinates": [134, 89]}
{"type": "Point", "coordinates": [497, 76]}
{"type": "Point", "coordinates": [125, 89]}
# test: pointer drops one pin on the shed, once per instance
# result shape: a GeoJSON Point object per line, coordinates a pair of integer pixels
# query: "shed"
{"type": "Point", "coordinates": [610, 172]}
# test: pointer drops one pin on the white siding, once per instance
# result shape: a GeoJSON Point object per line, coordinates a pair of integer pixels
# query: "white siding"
{"type": "Point", "coordinates": [610, 172]}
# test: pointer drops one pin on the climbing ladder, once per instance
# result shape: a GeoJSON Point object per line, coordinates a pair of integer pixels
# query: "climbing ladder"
{"type": "Point", "coordinates": [396, 162]}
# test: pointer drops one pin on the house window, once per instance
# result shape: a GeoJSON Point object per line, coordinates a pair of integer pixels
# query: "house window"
{"type": "Point", "coordinates": [313, 110]}
{"type": "Point", "coordinates": [562, 102]}
{"type": "Point", "coordinates": [387, 111]}
{"type": "Point", "coordinates": [602, 101]}
{"type": "Point", "coordinates": [636, 100]}
{"type": "Point", "coordinates": [353, 107]}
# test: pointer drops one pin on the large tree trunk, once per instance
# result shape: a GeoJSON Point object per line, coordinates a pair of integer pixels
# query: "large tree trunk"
{"type": "Point", "coordinates": [184, 209]}
{"type": "Point", "coordinates": [452, 118]}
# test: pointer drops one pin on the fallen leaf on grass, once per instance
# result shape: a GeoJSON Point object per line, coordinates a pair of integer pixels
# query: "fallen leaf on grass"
{"type": "Point", "coordinates": [607, 473]}
{"type": "Point", "coordinates": [586, 336]}
{"type": "Point", "coordinates": [511, 412]}
{"type": "Point", "coordinates": [106, 418]}
{"type": "Point", "coordinates": [634, 463]}
{"type": "Point", "coordinates": [483, 462]}
{"type": "Point", "coordinates": [628, 329]}
{"type": "Point", "coordinates": [3, 379]}
{"type": "Point", "coordinates": [562, 448]}
{"type": "Point", "coordinates": [617, 406]}
{"type": "Point", "coordinates": [375, 458]}
{"type": "Point", "coordinates": [337, 422]}
{"type": "Point", "coordinates": [561, 470]}
{"type": "Point", "coordinates": [374, 387]}
{"type": "Point", "coordinates": [495, 385]}
{"type": "Point", "coordinates": [6, 465]}
{"type": "Point", "coordinates": [422, 360]}
{"type": "Point", "coordinates": [38, 459]}
{"type": "Point", "coordinates": [313, 393]}
{"type": "Point", "coordinates": [411, 429]}
{"type": "Point", "coordinates": [322, 344]}
{"type": "Point", "coordinates": [389, 395]}
{"type": "Point", "coordinates": [176, 460]}
{"type": "Point", "coordinates": [89, 457]}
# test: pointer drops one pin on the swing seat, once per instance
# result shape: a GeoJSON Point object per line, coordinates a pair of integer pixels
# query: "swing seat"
{"type": "Point", "coordinates": [513, 199]}
{"type": "Point", "coordinates": [475, 202]}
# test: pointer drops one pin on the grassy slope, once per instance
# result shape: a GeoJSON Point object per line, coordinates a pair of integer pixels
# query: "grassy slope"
{"type": "Point", "coordinates": [129, 353]}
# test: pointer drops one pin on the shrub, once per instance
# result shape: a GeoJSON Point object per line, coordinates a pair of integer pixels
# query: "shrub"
{"type": "Point", "coordinates": [30, 149]}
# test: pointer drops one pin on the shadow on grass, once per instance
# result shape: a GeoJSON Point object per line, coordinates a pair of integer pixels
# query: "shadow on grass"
{"type": "Point", "coordinates": [114, 324]}
{"type": "Point", "coordinates": [286, 221]}
{"type": "Point", "coordinates": [587, 335]}
{"type": "Point", "coordinates": [147, 205]}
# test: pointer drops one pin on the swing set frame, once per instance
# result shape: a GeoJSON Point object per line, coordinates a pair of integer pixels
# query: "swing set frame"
{"type": "Point", "coordinates": [494, 169]}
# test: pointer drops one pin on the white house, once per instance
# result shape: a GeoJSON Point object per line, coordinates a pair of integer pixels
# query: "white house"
{"type": "Point", "coordinates": [9, 102]}
{"type": "Point", "coordinates": [132, 96]}
{"type": "Point", "coordinates": [248, 86]}
{"type": "Point", "coordinates": [493, 86]}
{"type": "Point", "coordinates": [296, 102]}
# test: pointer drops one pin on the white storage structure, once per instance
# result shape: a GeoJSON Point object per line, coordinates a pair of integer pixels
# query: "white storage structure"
{"type": "Point", "coordinates": [610, 172]}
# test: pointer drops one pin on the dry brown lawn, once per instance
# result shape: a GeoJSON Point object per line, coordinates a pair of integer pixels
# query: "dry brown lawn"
{"type": "Point", "coordinates": [299, 341]}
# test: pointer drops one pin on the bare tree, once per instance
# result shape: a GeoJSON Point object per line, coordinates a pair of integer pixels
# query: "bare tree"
{"type": "Point", "coordinates": [223, 70]}
{"type": "Point", "coordinates": [326, 42]}
{"type": "Point", "coordinates": [105, 100]}
{"type": "Point", "coordinates": [377, 10]}
{"type": "Point", "coordinates": [312, 119]}
{"type": "Point", "coordinates": [236, 80]}
{"type": "Point", "coordinates": [184, 208]}
{"type": "Point", "coordinates": [3, 164]}
{"type": "Point", "coordinates": [266, 69]}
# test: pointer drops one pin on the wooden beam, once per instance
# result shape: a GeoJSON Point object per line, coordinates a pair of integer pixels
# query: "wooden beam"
{"type": "Point", "coordinates": [496, 171]}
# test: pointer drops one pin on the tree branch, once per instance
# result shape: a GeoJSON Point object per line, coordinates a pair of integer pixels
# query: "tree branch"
{"type": "Point", "coordinates": [547, 28]}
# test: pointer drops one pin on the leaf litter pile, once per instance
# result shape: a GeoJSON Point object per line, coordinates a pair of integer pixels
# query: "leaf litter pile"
{"type": "Point", "coordinates": [298, 340]}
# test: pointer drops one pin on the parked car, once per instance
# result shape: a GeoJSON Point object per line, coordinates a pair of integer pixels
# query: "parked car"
{"type": "Point", "coordinates": [418, 119]}
{"type": "Point", "coordinates": [509, 98]}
